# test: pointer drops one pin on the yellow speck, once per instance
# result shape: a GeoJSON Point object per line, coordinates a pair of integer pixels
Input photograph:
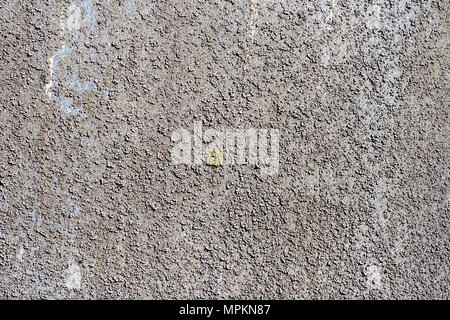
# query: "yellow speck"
{"type": "Point", "coordinates": [214, 158]}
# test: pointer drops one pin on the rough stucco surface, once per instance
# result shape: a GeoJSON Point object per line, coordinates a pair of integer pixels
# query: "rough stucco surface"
{"type": "Point", "coordinates": [92, 206]}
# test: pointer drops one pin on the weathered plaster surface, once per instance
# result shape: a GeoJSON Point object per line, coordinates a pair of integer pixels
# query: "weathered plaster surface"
{"type": "Point", "coordinates": [92, 207]}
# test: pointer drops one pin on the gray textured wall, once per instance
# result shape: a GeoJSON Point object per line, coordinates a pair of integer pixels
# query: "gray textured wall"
{"type": "Point", "coordinates": [92, 205]}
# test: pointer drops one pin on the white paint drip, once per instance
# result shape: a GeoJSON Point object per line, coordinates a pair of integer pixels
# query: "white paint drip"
{"type": "Point", "coordinates": [254, 14]}
{"type": "Point", "coordinates": [73, 25]}
{"type": "Point", "coordinates": [252, 24]}
{"type": "Point", "coordinates": [49, 85]}
{"type": "Point", "coordinates": [53, 62]}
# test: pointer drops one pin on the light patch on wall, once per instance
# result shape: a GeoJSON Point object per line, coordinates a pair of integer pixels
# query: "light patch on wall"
{"type": "Point", "coordinates": [53, 67]}
{"type": "Point", "coordinates": [372, 17]}
{"type": "Point", "coordinates": [77, 210]}
{"type": "Point", "coordinates": [66, 105]}
{"type": "Point", "coordinates": [79, 86]}
{"type": "Point", "coordinates": [90, 14]}
{"type": "Point", "coordinates": [398, 243]}
{"type": "Point", "coordinates": [3, 201]}
{"type": "Point", "coordinates": [131, 6]}
{"type": "Point", "coordinates": [330, 15]}
{"type": "Point", "coordinates": [37, 219]}
{"type": "Point", "coordinates": [20, 253]}
{"type": "Point", "coordinates": [81, 19]}
{"type": "Point", "coordinates": [73, 21]}
{"type": "Point", "coordinates": [374, 277]}
{"type": "Point", "coordinates": [325, 57]}
{"type": "Point", "coordinates": [73, 280]}
{"type": "Point", "coordinates": [49, 85]}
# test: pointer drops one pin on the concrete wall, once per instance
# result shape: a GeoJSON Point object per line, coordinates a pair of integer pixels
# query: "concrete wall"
{"type": "Point", "coordinates": [93, 206]}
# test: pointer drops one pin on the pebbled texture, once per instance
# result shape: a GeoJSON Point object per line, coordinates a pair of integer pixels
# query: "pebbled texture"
{"type": "Point", "coordinates": [92, 207]}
